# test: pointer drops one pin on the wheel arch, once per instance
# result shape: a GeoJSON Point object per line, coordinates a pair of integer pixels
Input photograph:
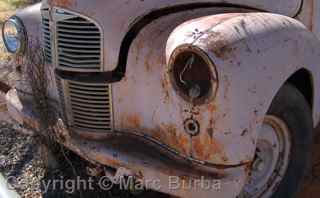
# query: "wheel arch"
{"type": "Point", "coordinates": [304, 82]}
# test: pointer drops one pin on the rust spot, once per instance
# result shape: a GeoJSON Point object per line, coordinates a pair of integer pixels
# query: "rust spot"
{"type": "Point", "coordinates": [198, 149]}
{"type": "Point", "coordinates": [164, 85]}
{"type": "Point", "coordinates": [312, 15]}
{"type": "Point", "coordinates": [174, 138]}
{"type": "Point", "coordinates": [210, 132]}
{"type": "Point", "coordinates": [226, 87]}
{"type": "Point", "coordinates": [111, 162]}
{"type": "Point", "coordinates": [62, 3]}
{"type": "Point", "coordinates": [134, 121]}
{"type": "Point", "coordinates": [218, 45]}
{"type": "Point", "coordinates": [212, 108]}
{"type": "Point", "coordinates": [166, 97]}
{"type": "Point", "coordinates": [207, 149]}
{"type": "Point", "coordinates": [148, 58]}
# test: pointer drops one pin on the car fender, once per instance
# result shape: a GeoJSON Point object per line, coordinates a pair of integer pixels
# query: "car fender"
{"type": "Point", "coordinates": [254, 55]}
{"type": "Point", "coordinates": [31, 18]}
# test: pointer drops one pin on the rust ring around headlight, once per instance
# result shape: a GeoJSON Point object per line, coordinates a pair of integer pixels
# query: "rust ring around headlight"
{"type": "Point", "coordinates": [193, 75]}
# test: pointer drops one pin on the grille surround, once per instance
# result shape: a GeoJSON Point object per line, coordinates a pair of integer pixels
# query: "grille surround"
{"type": "Point", "coordinates": [88, 106]}
{"type": "Point", "coordinates": [76, 41]}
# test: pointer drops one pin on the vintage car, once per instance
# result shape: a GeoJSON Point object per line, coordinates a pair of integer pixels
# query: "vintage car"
{"type": "Point", "coordinates": [210, 90]}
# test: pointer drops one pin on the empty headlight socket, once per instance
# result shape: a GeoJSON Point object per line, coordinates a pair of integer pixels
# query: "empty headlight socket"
{"type": "Point", "coordinates": [193, 75]}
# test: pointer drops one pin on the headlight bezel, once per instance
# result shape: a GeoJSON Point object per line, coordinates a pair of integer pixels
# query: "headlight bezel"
{"type": "Point", "coordinates": [21, 35]}
{"type": "Point", "coordinates": [211, 75]}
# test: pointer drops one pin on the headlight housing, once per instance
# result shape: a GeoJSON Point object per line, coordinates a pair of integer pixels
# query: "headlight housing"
{"type": "Point", "coordinates": [193, 75]}
{"type": "Point", "coordinates": [14, 35]}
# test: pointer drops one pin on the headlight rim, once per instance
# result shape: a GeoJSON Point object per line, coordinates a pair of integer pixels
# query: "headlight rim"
{"type": "Point", "coordinates": [212, 93]}
{"type": "Point", "coordinates": [21, 32]}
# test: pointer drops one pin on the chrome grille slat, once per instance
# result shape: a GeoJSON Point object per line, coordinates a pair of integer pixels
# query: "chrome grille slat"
{"type": "Point", "coordinates": [90, 114]}
{"type": "Point", "coordinates": [84, 32]}
{"type": "Point", "coordinates": [78, 36]}
{"type": "Point", "coordinates": [94, 111]}
{"type": "Point", "coordinates": [63, 49]}
{"type": "Point", "coordinates": [94, 102]}
{"type": "Point", "coordinates": [89, 105]}
{"type": "Point", "coordinates": [75, 22]}
{"type": "Point", "coordinates": [63, 25]}
{"type": "Point", "coordinates": [88, 88]}
{"type": "Point", "coordinates": [90, 97]}
{"type": "Point", "coordinates": [88, 84]}
{"type": "Point", "coordinates": [87, 47]}
{"type": "Point", "coordinates": [79, 61]}
{"type": "Point", "coordinates": [76, 56]}
{"type": "Point", "coordinates": [90, 127]}
{"type": "Point", "coordinates": [79, 41]}
{"type": "Point", "coordinates": [75, 67]}
{"type": "Point", "coordinates": [88, 121]}
{"type": "Point", "coordinates": [86, 92]}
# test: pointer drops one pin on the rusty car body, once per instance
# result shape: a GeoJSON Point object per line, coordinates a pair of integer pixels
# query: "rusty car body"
{"type": "Point", "coordinates": [123, 94]}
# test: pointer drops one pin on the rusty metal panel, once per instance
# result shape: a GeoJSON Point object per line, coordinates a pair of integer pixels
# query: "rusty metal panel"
{"type": "Point", "coordinates": [145, 103]}
{"type": "Point", "coordinates": [254, 55]}
{"type": "Point", "coordinates": [116, 25]}
{"type": "Point", "coordinates": [248, 51]}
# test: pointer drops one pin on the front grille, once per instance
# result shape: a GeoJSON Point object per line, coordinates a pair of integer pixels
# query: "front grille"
{"type": "Point", "coordinates": [90, 106]}
{"type": "Point", "coordinates": [73, 43]}
{"type": "Point", "coordinates": [79, 44]}
{"type": "Point", "coordinates": [77, 41]}
{"type": "Point", "coordinates": [47, 48]}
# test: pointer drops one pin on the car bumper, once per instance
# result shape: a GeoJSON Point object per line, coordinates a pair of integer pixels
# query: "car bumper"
{"type": "Point", "coordinates": [149, 162]}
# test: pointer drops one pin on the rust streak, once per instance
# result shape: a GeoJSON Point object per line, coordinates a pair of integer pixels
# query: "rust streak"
{"type": "Point", "coordinates": [62, 3]}
{"type": "Point", "coordinates": [134, 121]}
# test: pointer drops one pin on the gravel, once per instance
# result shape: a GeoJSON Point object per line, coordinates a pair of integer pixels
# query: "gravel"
{"type": "Point", "coordinates": [21, 164]}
